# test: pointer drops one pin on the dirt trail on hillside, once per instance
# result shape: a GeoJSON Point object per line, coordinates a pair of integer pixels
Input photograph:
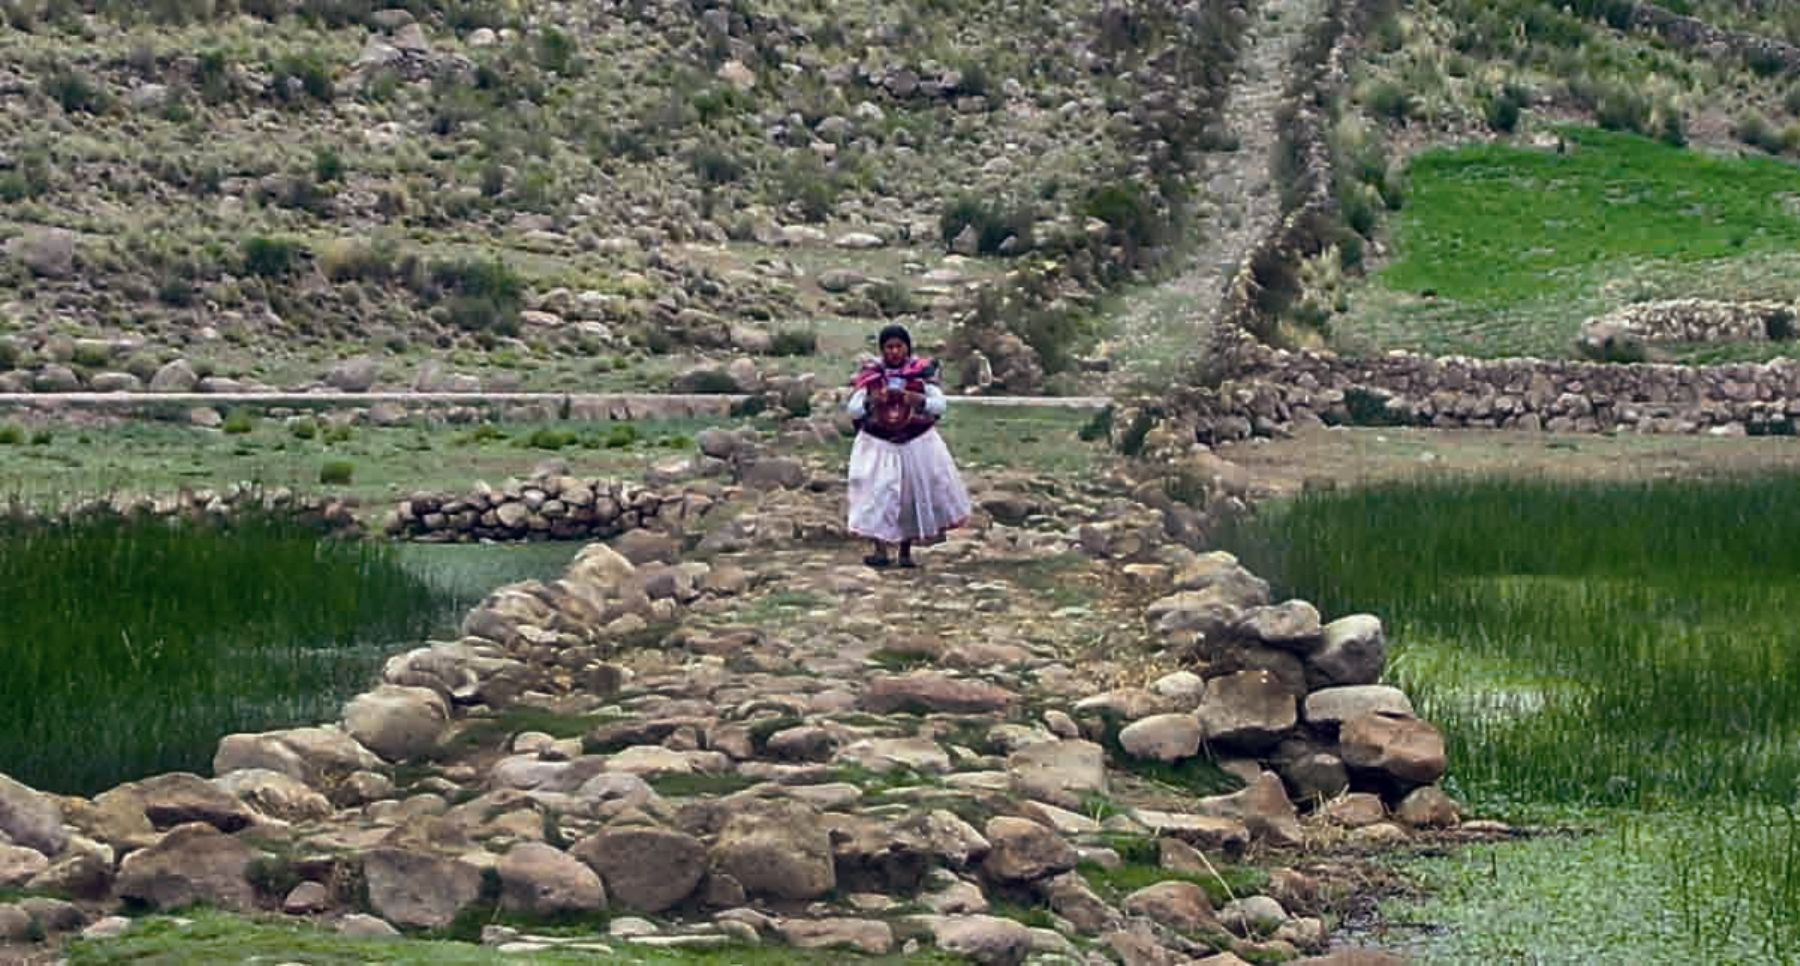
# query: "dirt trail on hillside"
{"type": "Point", "coordinates": [1158, 329]}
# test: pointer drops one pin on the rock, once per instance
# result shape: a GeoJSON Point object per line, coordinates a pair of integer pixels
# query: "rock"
{"type": "Point", "coordinates": [870, 936]}
{"type": "Point", "coordinates": [1022, 850]}
{"type": "Point", "coordinates": [56, 378]}
{"type": "Point", "coordinates": [600, 566]}
{"type": "Point", "coordinates": [860, 240]}
{"type": "Point", "coordinates": [1247, 711]}
{"type": "Point", "coordinates": [645, 868]}
{"type": "Point", "coordinates": [1354, 810]}
{"type": "Point", "coordinates": [1262, 806]}
{"type": "Point", "coordinates": [360, 926]}
{"type": "Point", "coordinates": [397, 723]}
{"type": "Point", "coordinates": [179, 798]}
{"type": "Point", "coordinates": [306, 899]}
{"type": "Point", "coordinates": [1162, 737]}
{"type": "Point", "coordinates": [177, 376]}
{"type": "Point", "coordinates": [115, 382]}
{"type": "Point", "coordinates": [775, 472]}
{"type": "Point", "coordinates": [967, 242]}
{"type": "Point", "coordinates": [777, 849]}
{"type": "Point", "coordinates": [988, 940]}
{"type": "Point", "coordinates": [54, 915]}
{"type": "Point", "coordinates": [1429, 807]}
{"type": "Point", "coordinates": [1291, 624]}
{"type": "Point", "coordinates": [193, 863]}
{"type": "Point", "coordinates": [1399, 750]}
{"type": "Point", "coordinates": [541, 880]}
{"type": "Point", "coordinates": [1353, 652]}
{"type": "Point", "coordinates": [1331, 707]}
{"type": "Point", "coordinates": [1313, 776]}
{"type": "Point", "coordinates": [1304, 932]}
{"type": "Point", "coordinates": [642, 547]}
{"type": "Point", "coordinates": [740, 77]}
{"type": "Point", "coordinates": [78, 874]}
{"type": "Point", "coordinates": [1210, 832]}
{"type": "Point", "coordinates": [15, 924]}
{"type": "Point", "coordinates": [927, 691]}
{"type": "Point", "coordinates": [357, 374]}
{"type": "Point", "coordinates": [720, 444]}
{"type": "Point", "coordinates": [31, 819]}
{"type": "Point", "coordinates": [19, 864]}
{"type": "Point", "coordinates": [883, 755]}
{"type": "Point", "coordinates": [1062, 773]}
{"type": "Point", "coordinates": [49, 252]}
{"type": "Point", "coordinates": [1071, 897]}
{"type": "Point", "coordinates": [1257, 915]}
{"type": "Point", "coordinates": [419, 891]}
{"type": "Point", "coordinates": [318, 757]}
{"type": "Point", "coordinates": [274, 794]}
{"type": "Point", "coordinates": [1182, 906]}
{"type": "Point", "coordinates": [111, 927]}
{"type": "Point", "coordinates": [840, 280]}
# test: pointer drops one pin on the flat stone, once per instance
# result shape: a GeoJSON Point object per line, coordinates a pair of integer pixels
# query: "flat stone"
{"type": "Point", "coordinates": [1162, 737]}
{"type": "Point", "coordinates": [1063, 773]}
{"type": "Point", "coordinates": [1023, 850]}
{"type": "Point", "coordinates": [928, 691]}
{"type": "Point", "coordinates": [1331, 707]}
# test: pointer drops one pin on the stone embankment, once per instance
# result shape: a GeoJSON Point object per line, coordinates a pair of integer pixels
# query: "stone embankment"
{"type": "Point", "coordinates": [752, 740]}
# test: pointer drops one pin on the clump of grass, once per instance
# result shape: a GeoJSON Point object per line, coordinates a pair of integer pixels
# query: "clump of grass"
{"type": "Point", "coordinates": [794, 342]}
{"type": "Point", "coordinates": [239, 422]}
{"type": "Point", "coordinates": [141, 644]}
{"type": "Point", "coordinates": [11, 434]}
{"type": "Point", "coordinates": [336, 473]}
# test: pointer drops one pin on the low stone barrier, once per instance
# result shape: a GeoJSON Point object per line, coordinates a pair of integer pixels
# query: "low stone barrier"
{"type": "Point", "coordinates": [1688, 320]}
{"type": "Point", "coordinates": [546, 508]}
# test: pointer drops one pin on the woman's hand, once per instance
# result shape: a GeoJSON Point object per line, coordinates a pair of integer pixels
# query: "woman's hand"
{"type": "Point", "coordinates": [915, 400]}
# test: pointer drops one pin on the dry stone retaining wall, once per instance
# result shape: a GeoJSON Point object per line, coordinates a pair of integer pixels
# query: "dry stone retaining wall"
{"type": "Point", "coordinates": [1277, 389]}
{"type": "Point", "coordinates": [1693, 320]}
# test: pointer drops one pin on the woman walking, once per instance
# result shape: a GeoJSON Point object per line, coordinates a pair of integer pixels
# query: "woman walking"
{"type": "Point", "coordinates": [904, 488]}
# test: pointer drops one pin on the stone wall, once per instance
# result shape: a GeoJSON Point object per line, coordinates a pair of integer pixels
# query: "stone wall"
{"type": "Point", "coordinates": [1692, 320]}
{"type": "Point", "coordinates": [334, 515]}
{"type": "Point", "coordinates": [547, 508]}
{"type": "Point", "coordinates": [1693, 34]}
{"type": "Point", "coordinates": [1276, 390]}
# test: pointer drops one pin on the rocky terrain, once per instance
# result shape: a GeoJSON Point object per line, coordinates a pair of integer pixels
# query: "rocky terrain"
{"type": "Point", "coordinates": [1067, 737]}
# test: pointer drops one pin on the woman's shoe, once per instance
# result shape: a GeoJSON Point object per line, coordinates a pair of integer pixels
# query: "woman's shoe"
{"type": "Point", "coordinates": [879, 560]}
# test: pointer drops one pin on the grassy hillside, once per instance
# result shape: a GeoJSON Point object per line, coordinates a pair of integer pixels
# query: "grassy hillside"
{"type": "Point", "coordinates": [561, 180]}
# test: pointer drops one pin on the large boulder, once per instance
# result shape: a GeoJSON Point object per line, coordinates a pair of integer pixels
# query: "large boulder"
{"type": "Point", "coordinates": [1180, 905]}
{"type": "Point", "coordinates": [49, 252]}
{"type": "Point", "coordinates": [987, 940]}
{"type": "Point", "coordinates": [176, 376]}
{"type": "Point", "coordinates": [1292, 624]}
{"type": "Point", "coordinates": [30, 818]}
{"type": "Point", "coordinates": [542, 880]}
{"type": "Point", "coordinates": [1162, 737]}
{"type": "Point", "coordinates": [1353, 651]}
{"type": "Point", "coordinates": [419, 890]}
{"type": "Point", "coordinates": [356, 374]}
{"type": "Point", "coordinates": [776, 849]}
{"type": "Point", "coordinates": [644, 868]}
{"type": "Point", "coordinates": [1022, 850]}
{"type": "Point", "coordinates": [1264, 808]}
{"type": "Point", "coordinates": [274, 794]}
{"type": "Point", "coordinates": [319, 757]}
{"type": "Point", "coordinates": [1394, 750]}
{"type": "Point", "coordinates": [1247, 711]}
{"type": "Point", "coordinates": [180, 797]}
{"type": "Point", "coordinates": [19, 864]}
{"type": "Point", "coordinates": [1329, 708]}
{"type": "Point", "coordinates": [397, 723]}
{"type": "Point", "coordinates": [193, 863]}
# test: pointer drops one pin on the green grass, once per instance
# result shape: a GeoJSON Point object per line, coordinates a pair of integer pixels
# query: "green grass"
{"type": "Point", "coordinates": [1590, 650]}
{"type": "Point", "coordinates": [1516, 246]}
{"type": "Point", "coordinates": [386, 463]}
{"type": "Point", "coordinates": [142, 644]}
{"type": "Point", "coordinates": [217, 938]}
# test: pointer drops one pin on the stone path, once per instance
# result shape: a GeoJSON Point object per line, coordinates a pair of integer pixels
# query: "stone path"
{"type": "Point", "coordinates": [1160, 329]}
{"type": "Point", "coordinates": [1064, 739]}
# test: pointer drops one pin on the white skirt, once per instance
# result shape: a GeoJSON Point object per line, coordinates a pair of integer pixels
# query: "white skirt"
{"type": "Point", "coordinates": [905, 491]}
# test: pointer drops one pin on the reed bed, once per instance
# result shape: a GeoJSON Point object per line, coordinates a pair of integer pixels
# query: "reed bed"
{"type": "Point", "coordinates": [1595, 652]}
{"type": "Point", "coordinates": [128, 648]}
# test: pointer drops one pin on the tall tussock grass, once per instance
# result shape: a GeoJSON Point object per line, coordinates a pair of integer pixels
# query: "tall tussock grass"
{"type": "Point", "coordinates": [128, 648]}
{"type": "Point", "coordinates": [1593, 649]}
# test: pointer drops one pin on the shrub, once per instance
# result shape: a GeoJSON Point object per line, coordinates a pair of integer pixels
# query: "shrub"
{"type": "Point", "coordinates": [994, 222]}
{"type": "Point", "coordinates": [621, 436]}
{"type": "Point", "coordinates": [349, 260]}
{"type": "Point", "coordinates": [716, 166]}
{"type": "Point", "coordinates": [75, 91]}
{"type": "Point", "coordinates": [557, 52]}
{"type": "Point", "coordinates": [42, 437]}
{"type": "Point", "coordinates": [327, 165]}
{"type": "Point", "coordinates": [304, 428]}
{"type": "Point", "coordinates": [712, 382]}
{"type": "Point", "coordinates": [1503, 113]}
{"type": "Point", "coordinates": [271, 257]}
{"type": "Point", "coordinates": [339, 433]}
{"type": "Point", "coordinates": [1623, 111]}
{"type": "Point", "coordinates": [794, 342]}
{"type": "Point", "coordinates": [482, 296]}
{"type": "Point", "coordinates": [1389, 101]}
{"type": "Point", "coordinates": [239, 422]}
{"type": "Point", "coordinates": [1128, 212]}
{"type": "Point", "coordinates": [1673, 130]}
{"type": "Point", "coordinates": [11, 434]}
{"type": "Point", "coordinates": [336, 473]}
{"type": "Point", "coordinates": [1755, 130]}
{"type": "Point", "coordinates": [545, 437]}
{"type": "Point", "coordinates": [809, 186]}
{"type": "Point", "coordinates": [893, 298]}
{"type": "Point", "coordinates": [175, 291]}
{"type": "Point", "coordinates": [303, 75]}
{"type": "Point", "coordinates": [1779, 325]}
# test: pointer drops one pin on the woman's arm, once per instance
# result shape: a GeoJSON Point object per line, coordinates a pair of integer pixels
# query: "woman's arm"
{"type": "Point", "coordinates": [858, 406]}
{"type": "Point", "coordinates": [936, 403]}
